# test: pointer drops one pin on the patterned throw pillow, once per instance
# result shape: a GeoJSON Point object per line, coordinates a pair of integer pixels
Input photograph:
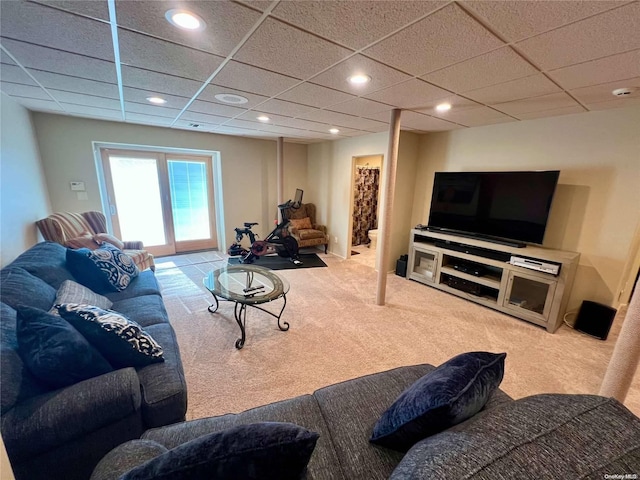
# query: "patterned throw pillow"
{"type": "Point", "coordinates": [450, 394]}
{"type": "Point", "coordinates": [120, 340]}
{"type": "Point", "coordinates": [55, 351]}
{"type": "Point", "coordinates": [72, 292]}
{"type": "Point", "coordinates": [301, 223]}
{"type": "Point", "coordinates": [104, 269]}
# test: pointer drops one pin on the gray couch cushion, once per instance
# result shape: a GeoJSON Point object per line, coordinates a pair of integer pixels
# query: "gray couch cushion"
{"type": "Point", "coordinates": [542, 436]}
{"type": "Point", "coordinates": [47, 261]}
{"type": "Point", "coordinates": [144, 284]}
{"type": "Point", "coordinates": [19, 287]}
{"type": "Point", "coordinates": [125, 457]}
{"type": "Point", "coordinates": [144, 310]}
{"type": "Point", "coordinates": [164, 389]}
{"type": "Point", "coordinates": [303, 411]}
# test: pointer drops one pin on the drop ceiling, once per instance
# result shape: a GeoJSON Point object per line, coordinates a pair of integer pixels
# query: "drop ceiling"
{"type": "Point", "coordinates": [493, 61]}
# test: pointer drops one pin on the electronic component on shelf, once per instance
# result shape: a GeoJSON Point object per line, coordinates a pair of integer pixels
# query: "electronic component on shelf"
{"type": "Point", "coordinates": [463, 285]}
{"type": "Point", "coordinates": [545, 267]}
{"type": "Point", "coordinates": [477, 270]}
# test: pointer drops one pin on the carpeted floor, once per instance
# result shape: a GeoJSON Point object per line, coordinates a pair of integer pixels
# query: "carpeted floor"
{"type": "Point", "coordinates": [338, 332]}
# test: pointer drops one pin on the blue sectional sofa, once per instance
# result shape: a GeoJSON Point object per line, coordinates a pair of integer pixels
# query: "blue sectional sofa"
{"type": "Point", "coordinates": [63, 433]}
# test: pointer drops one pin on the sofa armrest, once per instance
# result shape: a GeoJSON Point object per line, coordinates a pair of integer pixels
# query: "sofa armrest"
{"type": "Point", "coordinates": [133, 245]}
{"type": "Point", "coordinates": [322, 228]}
{"type": "Point", "coordinates": [45, 421]}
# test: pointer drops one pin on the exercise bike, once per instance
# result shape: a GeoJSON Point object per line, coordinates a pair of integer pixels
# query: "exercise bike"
{"type": "Point", "coordinates": [278, 241]}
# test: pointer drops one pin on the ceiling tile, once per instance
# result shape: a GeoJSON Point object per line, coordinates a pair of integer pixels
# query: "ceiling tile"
{"type": "Point", "coordinates": [152, 54]}
{"type": "Point", "coordinates": [132, 107]}
{"type": "Point", "coordinates": [39, 105]}
{"type": "Point", "coordinates": [413, 94]}
{"type": "Point", "coordinates": [203, 118]}
{"type": "Point", "coordinates": [612, 32]}
{"type": "Point", "coordinates": [191, 125]}
{"type": "Point", "coordinates": [159, 82]}
{"type": "Point", "coordinates": [615, 103]}
{"type": "Point", "coordinates": [245, 124]}
{"type": "Point", "coordinates": [253, 79]}
{"type": "Point", "coordinates": [342, 120]}
{"type": "Point", "coordinates": [51, 60]}
{"type": "Point", "coordinates": [216, 109]}
{"type": "Point", "coordinates": [226, 23]}
{"type": "Point", "coordinates": [140, 96]}
{"type": "Point", "coordinates": [75, 84]}
{"type": "Point", "coordinates": [608, 69]}
{"type": "Point", "coordinates": [446, 37]}
{"type": "Point", "coordinates": [335, 20]}
{"type": "Point", "coordinates": [314, 95]}
{"type": "Point", "coordinates": [19, 90]}
{"type": "Point", "coordinates": [285, 49]}
{"type": "Point", "coordinates": [537, 104]}
{"type": "Point", "coordinates": [34, 23]}
{"type": "Point", "coordinates": [209, 93]}
{"type": "Point", "coordinates": [425, 123]}
{"type": "Point", "coordinates": [14, 74]}
{"type": "Point", "coordinates": [457, 102]}
{"type": "Point", "coordinates": [381, 75]}
{"type": "Point", "coordinates": [242, 132]}
{"type": "Point", "coordinates": [287, 109]}
{"type": "Point", "coordinates": [474, 116]}
{"type": "Point", "coordinates": [5, 59]}
{"type": "Point", "coordinates": [360, 107]}
{"type": "Point", "coordinates": [551, 113]}
{"type": "Point", "coordinates": [147, 119]}
{"type": "Point", "coordinates": [284, 130]}
{"type": "Point", "coordinates": [93, 112]}
{"type": "Point", "coordinates": [305, 124]}
{"type": "Point", "coordinates": [260, 5]}
{"type": "Point", "coordinates": [603, 92]}
{"type": "Point", "coordinates": [494, 67]}
{"type": "Point", "coordinates": [88, 100]}
{"type": "Point", "coordinates": [519, 19]}
{"type": "Point", "coordinates": [95, 8]}
{"type": "Point", "coordinates": [532, 86]}
{"type": "Point", "coordinates": [252, 115]}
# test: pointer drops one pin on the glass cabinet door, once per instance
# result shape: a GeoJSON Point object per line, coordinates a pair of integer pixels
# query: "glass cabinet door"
{"type": "Point", "coordinates": [529, 293]}
{"type": "Point", "coordinates": [424, 265]}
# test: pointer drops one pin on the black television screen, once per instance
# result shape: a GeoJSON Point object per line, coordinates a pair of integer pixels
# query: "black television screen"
{"type": "Point", "coordinates": [493, 205]}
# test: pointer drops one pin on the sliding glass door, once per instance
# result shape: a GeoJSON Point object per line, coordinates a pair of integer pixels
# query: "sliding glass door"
{"type": "Point", "coordinates": [164, 200]}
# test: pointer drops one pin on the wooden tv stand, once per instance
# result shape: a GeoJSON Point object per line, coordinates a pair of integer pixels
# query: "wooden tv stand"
{"type": "Point", "coordinates": [480, 271]}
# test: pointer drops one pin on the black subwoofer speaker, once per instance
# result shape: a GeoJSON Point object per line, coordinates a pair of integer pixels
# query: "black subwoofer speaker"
{"type": "Point", "coordinates": [595, 319]}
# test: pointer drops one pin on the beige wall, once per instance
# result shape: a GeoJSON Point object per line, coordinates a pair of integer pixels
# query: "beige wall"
{"type": "Point", "coordinates": [248, 166]}
{"type": "Point", "coordinates": [23, 192]}
{"type": "Point", "coordinates": [330, 174]}
{"type": "Point", "coordinates": [596, 207]}
{"type": "Point", "coordinates": [331, 177]}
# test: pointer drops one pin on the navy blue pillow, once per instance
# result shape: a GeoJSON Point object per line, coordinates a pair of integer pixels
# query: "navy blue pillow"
{"type": "Point", "coordinates": [105, 269]}
{"type": "Point", "coordinates": [119, 339]}
{"type": "Point", "coordinates": [249, 452]}
{"type": "Point", "coordinates": [54, 351]}
{"type": "Point", "coordinates": [448, 395]}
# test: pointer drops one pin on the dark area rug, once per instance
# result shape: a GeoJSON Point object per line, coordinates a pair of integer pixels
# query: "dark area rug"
{"type": "Point", "coordinates": [274, 262]}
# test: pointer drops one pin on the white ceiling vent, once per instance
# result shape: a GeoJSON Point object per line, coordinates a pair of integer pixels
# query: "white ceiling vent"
{"type": "Point", "coordinates": [623, 92]}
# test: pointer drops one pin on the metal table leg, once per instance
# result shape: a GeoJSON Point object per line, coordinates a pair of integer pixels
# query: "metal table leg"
{"type": "Point", "coordinates": [241, 317]}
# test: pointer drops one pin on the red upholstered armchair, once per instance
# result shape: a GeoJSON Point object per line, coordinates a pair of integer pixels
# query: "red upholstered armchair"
{"type": "Point", "coordinates": [72, 229]}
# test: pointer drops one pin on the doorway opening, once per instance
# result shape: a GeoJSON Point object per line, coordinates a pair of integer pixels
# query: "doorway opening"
{"type": "Point", "coordinates": [365, 207]}
{"type": "Point", "coordinates": [166, 200]}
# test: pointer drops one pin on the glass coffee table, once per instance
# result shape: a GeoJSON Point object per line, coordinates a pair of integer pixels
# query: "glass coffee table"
{"type": "Point", "coordinates": [247, 286]}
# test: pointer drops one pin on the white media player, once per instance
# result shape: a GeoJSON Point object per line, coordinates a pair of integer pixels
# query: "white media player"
{"type": "Point", "coordinates": [546, 267]}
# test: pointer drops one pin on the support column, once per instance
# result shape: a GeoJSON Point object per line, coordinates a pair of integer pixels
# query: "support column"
{"type": "Point", "coordinates": [626, 354]}
{"type": "Point", "coordinates": [280, 172]}
{"type": "Point", "coordinates": [388, 188]}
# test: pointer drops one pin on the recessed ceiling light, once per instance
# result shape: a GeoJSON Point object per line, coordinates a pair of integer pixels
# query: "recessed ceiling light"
{"type": "Point", "coordinates": [334, 130]}
{"type": "Point", "coordinates": [156, 100]}
{"type": "Point", "coordinates": [263, 118]}
{"type": "Point", "coordinates": [359, 79]}
{"type": "Point", "coordinates": [443, 107]}
{"type": "Point", "coordinates": [231, 98]}
{"type": "Point", "coordinates": [184, 19]}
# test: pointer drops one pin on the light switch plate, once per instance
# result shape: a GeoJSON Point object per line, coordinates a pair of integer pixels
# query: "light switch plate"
{"type": "Point", "coordinates": [77, 186]}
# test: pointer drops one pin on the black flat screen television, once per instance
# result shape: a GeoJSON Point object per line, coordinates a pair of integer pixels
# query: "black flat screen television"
{"type": "Point", "coordinates": [508, 207]}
